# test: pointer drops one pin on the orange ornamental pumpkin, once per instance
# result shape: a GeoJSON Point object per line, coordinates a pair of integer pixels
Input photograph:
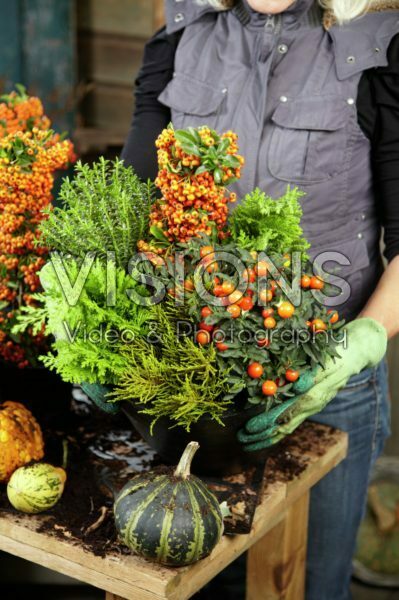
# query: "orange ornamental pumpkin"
{"type": "Point", "coordinates": [21, 439]}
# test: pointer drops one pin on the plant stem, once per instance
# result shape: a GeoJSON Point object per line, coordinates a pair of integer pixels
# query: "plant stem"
{"type": "Point", "coordinates": [183, 468]}
{"type": "Point", "coordinates": [64, 454]}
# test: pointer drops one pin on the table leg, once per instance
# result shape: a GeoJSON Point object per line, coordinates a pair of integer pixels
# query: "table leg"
{"type": "Point", "coordinates": [276, 564]}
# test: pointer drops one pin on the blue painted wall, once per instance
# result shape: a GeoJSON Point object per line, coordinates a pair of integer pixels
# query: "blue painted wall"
{"type": "Point", "coordinates": [38, 49]}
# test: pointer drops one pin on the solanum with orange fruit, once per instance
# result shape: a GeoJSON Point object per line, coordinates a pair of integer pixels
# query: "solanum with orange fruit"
{"type": "Point", "coordinates": [254, 313]}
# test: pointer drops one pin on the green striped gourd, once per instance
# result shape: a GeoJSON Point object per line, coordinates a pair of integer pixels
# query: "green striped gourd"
{"type": "Point", "coordinates": [171, 518]}
{"type": "Point", "coordinates": [36, 488]}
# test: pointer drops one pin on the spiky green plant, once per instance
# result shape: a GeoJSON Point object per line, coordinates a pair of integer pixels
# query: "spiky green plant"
{"type": "Point", "coordinates": [105, 209]}
{"type": "Point", "coordinates": [262, 223]}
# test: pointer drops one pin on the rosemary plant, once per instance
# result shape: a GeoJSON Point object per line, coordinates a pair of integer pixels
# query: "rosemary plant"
{"type": "Point", "coordinates": [105, 210]}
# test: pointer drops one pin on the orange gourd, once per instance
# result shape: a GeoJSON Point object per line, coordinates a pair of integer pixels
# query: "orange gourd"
{"type": "Point", "coordinates": [21, 439]}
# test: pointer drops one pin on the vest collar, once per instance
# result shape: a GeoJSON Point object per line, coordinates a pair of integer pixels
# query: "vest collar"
{"type": "Point", "coordinates": [181, 13]}
{"type": "Point", "coordinates": [249, 17]}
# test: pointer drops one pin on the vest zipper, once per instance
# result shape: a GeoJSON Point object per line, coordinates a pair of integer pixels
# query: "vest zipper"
{"type": "Point", "coordinates": [273, 23]}
{"type": "Point", "coordinates": [270, 23]}
{"type": "Point", "coordinates": [271, 30]}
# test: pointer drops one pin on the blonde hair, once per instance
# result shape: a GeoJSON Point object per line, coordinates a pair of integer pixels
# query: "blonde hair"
{"type": "Point", "coordinates": [343, 10]}
{"type": "Point", "coordinates": [346, 10]}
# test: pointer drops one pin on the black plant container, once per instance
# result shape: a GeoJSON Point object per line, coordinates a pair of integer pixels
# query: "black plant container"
{"type": "Point", "coordinates": [39, 389]}
{"type": "Point", "coordinates": [220, 453]}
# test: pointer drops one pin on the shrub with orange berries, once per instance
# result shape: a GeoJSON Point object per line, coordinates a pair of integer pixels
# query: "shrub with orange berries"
{"type": "Point", "coordinates": [30, 155]}
{"type": "Point", "coordinates": [195, 168]}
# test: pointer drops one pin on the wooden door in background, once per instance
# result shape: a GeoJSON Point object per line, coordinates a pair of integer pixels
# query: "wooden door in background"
{"type": "Point", "coordinates": [111, 38]}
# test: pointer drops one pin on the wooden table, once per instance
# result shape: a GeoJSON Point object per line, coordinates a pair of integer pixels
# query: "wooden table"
{"type": "Point", "coordinates": [276, 545]}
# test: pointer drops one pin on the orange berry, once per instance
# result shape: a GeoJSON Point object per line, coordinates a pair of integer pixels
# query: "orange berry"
{"type": "Point", "coordinates": [334, 316]}
{"type": "Point", "coordinates": [265, 296]}
{"type": "Point", "coordinates": [228, 287]}
{"type": "Point", "coordinates": [203, 338]}
{"type": "Point", "coordinates": [246, 303]}
{"type": "Point", "coordinates": [269, 388]}
{"type": "Point", "coordinates": [205, 327]}
{"type": "Point", "coordinates": [285, 310]}
{"type": "Point", "coordinates": [270, 323]}
{"type": "Point", "coordinates": [255, 370]}
{"type": "Point", "coordinates": [206, 312]}
{"type": "Point", "coordinates": [318, 325]}
{"type": "Point", "coordinates": [235, 297]}
{"type": "Point", "coordinates": [316, 283]}
{"type": "Point", "coordinates": [262, 268]}
{"type": "Point", "coordinates": [221, 346]}
{"type": "Point", "coordinates": [234, 311]}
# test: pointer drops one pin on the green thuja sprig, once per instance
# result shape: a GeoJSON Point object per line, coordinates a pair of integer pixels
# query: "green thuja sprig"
{"type": "Point", "coordinates": [87, 335]}
{"type": "Point", "coordinates": [105, 209]}
{"type": "Point", "coordinates": [174, 378]}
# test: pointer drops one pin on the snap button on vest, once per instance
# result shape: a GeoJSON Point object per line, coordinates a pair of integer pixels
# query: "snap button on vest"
{"type": "Point", "coordinates": [283, 48]}
{"type": "Point", "coordinates": [351, 101]}
{"type": "Point", "coordinates": [351, 60]}
{"type": "Point", "coordinates": [283, 99]}
{"type": "Point", "coordinates": [179, 17]}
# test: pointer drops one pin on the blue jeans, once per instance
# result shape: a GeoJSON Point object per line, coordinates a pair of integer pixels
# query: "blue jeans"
{"type": "Point", "coordinates": [338, 502]}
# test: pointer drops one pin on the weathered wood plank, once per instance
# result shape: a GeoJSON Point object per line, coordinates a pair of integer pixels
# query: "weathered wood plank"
{"type": "Point", "coordinates": [110, 108]}
{"type": "Point", "coordinates": [276, 563]}
{"type": "Point", "coordinates": [124, 17]}
{"type": "Point", "coordinates": [159, 13]}
{"type": "Point", "coordinates": [109, 59]}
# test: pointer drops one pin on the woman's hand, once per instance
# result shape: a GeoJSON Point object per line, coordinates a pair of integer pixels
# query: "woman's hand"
{"type": "Point", "coordinates": [364, 346]}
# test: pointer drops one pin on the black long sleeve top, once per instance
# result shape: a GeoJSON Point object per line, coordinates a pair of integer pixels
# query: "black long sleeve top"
{"type": "Point", "coordinates": [378, 116]}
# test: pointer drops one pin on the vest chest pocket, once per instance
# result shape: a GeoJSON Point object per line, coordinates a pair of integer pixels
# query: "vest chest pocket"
{"type": "Point", "coordinates": [310, 141]}
{"type": "Point", "coordinates": [193, 102]}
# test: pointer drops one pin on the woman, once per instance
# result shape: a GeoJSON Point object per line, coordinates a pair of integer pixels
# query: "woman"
{"type": "Point", "coordinates": [313, 93]}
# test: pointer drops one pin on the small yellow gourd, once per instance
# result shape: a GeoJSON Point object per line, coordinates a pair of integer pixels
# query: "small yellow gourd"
{"type": "Point", "coordinates": [21, 439]}
{"type": "Point", "coordinates": [36, 488]}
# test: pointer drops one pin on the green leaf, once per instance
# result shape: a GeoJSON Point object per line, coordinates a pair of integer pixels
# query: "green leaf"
{"type": "Point", "coordinates": [201, 169]}
{"type": "Point", "coordinates": [223, 146]}
{"type": "Point", "coordinates": [184, 136]}
{"type": "Point", "coordinates": [218, 175]}
{"type": "Point", "coordinates": [158, 234]}
{"type": "Point", "coordinates": [191, 148]}
{"type": "Point", "coordinates": [231, 161]}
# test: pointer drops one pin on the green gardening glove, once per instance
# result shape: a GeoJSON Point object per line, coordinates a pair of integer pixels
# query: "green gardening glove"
{"type": "Point", "coordinates": [364, 347]}
{"type": "Point", "coordinates": [98, 394]}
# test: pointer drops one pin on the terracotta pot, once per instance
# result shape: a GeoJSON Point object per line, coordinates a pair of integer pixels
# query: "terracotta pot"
{"type": "Point", "coordinates": [220, 452]}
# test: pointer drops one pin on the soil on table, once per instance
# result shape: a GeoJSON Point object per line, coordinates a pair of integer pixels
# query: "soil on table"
{"type": "Point", "coordinates": [103, 454]}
